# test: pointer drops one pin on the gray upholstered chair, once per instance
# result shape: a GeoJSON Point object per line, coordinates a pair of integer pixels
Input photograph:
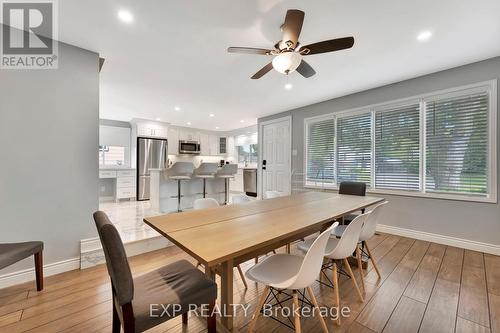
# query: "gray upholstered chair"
{"type": "Point", "coordinates": [11, 253]}
{"type": "Point", "coordinates": [352, 188]}
{"type": "Point", "coordinates": [175, 286]}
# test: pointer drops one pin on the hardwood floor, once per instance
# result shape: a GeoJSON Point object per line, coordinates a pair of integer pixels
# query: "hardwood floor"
{"type": "Point", "coordinates": [424, 287]}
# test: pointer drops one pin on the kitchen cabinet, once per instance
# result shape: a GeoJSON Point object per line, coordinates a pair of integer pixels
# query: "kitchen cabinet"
{"type": "Point", "coordinates": [188, 135]}
{"type": "Point", "coordinates": [173, 141]}
{"type": "Point", "coordinates": [231, 148]}
{"type": "Point", "coordinates": [155, 131]}
{"type": "Point", "coordinates": [222, 145]}
{"type": "Point", "coordinates": [212, 141]}
{"type": "Point", "coordinates": [124, 182]}
{"type": "Point", "coordinates": [205, 144]}
{"type": "Point", "coordinates": [236, 183]}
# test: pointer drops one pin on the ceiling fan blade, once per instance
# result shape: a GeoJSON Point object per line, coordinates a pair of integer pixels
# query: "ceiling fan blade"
{"type": "Point", "coordinates": [291, 28]}
{"type": "Point", "coordinates": [305, 69]}
{"type": "Point", "coordinates": [328, 46]}
{"type": "Point", "coordinates": [263, 71]}
{"type": "Point", "coordinates": [249, 50]}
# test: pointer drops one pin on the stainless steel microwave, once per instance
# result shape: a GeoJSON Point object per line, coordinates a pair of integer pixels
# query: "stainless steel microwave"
{"type": "Point", "coordinates": [189, 147]}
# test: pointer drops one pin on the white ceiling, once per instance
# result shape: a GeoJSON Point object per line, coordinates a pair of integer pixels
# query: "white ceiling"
{"type": "Point", "coordinates": [174, 53]}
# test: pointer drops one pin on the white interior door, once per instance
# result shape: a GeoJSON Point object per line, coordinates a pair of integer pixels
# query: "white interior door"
{"type": "Point", "coordinates": [276, 153]}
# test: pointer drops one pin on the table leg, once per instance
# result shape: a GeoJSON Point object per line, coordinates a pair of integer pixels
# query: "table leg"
{"type": "Point", "coordinates": [227, 294]}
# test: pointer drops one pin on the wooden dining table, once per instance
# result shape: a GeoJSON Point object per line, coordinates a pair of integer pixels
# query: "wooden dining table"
{"type": "Point", "coordinates": [223, 237]}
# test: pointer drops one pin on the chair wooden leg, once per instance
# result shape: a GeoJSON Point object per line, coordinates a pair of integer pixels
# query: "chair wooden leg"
{"type": "Point", "coordinates": [116, 321]}
{"type": "Point", "coordinates": [288, 248]}
{"type": "Point", "coordinates": [39, 270]}
{"type": "Point", "coordinates": [211, 319]}
{"type": "Point", "coordinates": [256, 314]}
{"type": "Point", "coordinates": [185, 318]}
{"type": "Point", "coordinates": [353, 279]}
{"type": "Point", "coordinates": [360, 266]}
{"type": "Point", "coordinates": [373, 260]}
{"type": "Point", "coordinates": [256, 260]}
{"type": "Point", "coordinates": [198, 264]}
{"type": "Point", "coordinates": [315, 303]}
{"type": "Point", "coordinates": [295, 311]}
{"type": "Point", "coordinates": [336, 286]}
{"type": "Point", "coordinates": [242, 276]}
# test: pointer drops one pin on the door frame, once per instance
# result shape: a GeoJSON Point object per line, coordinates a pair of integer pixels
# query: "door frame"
{"type": "Point", "coordinates": [260, 136]}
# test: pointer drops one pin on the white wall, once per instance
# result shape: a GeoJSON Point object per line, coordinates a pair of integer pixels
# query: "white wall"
{"type": "Point", "coordinates": [49, 121]}
{"type": "Point", "coordinates": [478, 222]}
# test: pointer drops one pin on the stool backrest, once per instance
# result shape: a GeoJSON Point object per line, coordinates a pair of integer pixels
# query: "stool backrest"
{"type": "Point", "coordinates": [349, 239]}
{"type": "Point", "coordinates": [239, 199]}
{"type": "Point", "coordinates": [228, 170]}
{"type": "Point", "coordinates": [206, 169]}
{"type": "Point", "coordinates": [205, 203]}
{"type": "Point", "coordinates": [116, 259]}
{"type": "Point", "coordinates": [313, 260]}
{"type": "Point", "coordinates": [273, 194]}
{"type": "Point", "coordinates": [181, 169]}
{"type": "Point", "coordinates": [352, 188]}
{"type": "Point", "coordinates": [371, 222]}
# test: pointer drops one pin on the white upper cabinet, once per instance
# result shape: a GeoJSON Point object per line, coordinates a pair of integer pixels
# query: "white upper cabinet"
{"type": "Point", "coordinates": [204, 143]}
{"type": "Point", "coordinates": [152, 129]}
{"type": "Point", "coordinates": [213, 144]}
{"type": "Point", "coordinates": [187, 134]}
{"type": "Point", "coordinates": [173, 141]}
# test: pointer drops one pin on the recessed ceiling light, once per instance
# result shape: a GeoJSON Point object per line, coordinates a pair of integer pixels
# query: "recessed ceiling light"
{"type": "Point", "coordinates": [125, 16]}
{"type": "Point", "coordinates": [288, 86]}
{"type": "Point", "coordinates": [217, 127]}
{"type": "Point", "coordinates": [158, 119]}
{"type": "Point", "coordinates": [424, 36]}
{"type": "Point", "coordinates": [242, 121]}
{"type": "Point", "coordinates": [211, 115]}
{"type": "Point", "coordinates": [188, 123]}
{"type": "Point", "coordinates": [177, 108]}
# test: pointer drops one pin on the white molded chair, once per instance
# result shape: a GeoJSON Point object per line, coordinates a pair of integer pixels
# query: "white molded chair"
{"type": "Point", "coordinates": [341, 249]}
{"type": "Point", "coordinates": [273, 194]}
{"type": "Point", "coordinates": [367, 232]}
{"type": "Point", "coordinates": [212, 203]}
{"type": "Point", "coordinates": [239, 199]}
{"type": "Point", "coordinates": [287, 271]}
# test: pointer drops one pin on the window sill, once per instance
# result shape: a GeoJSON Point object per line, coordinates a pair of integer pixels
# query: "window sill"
{"type": "Point", "coordinates": [441, 196]}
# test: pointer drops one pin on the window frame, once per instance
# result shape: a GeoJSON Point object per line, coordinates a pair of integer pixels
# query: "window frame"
{"type": "Point", "coordinates": [490, 87]}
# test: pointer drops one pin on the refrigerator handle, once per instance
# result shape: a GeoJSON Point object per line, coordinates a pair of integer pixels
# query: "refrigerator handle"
{"type": "Point", "coordinates": [165, 157]}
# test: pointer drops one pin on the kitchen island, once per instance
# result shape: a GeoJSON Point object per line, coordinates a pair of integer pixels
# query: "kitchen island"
{"type": "Point", "coordinates": [163, 192]}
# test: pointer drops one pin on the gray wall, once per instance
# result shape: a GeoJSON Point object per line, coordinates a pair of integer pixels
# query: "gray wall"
{"type": "Point", "coordinates": [49, 122]}
{"type": "Point", "coordinates": [473, 221]}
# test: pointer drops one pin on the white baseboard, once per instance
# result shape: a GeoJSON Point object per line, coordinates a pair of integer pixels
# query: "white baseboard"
{"type": "Point", "coordinates": [441, 239]}
{"type": "Point", "coordinates": [27, 275]}
{"type": "Point", "coordinates": [91, 253]}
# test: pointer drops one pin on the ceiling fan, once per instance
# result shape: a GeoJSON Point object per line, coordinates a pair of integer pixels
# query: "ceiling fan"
{"type": "Point", "coordinates": [288, 52]}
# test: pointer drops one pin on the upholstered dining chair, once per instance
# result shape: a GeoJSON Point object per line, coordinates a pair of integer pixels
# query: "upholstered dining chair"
{"type": "Point", "coordinates": [11, 253]}
{"type": "Point", "coordinates": [352, 188]}
{"type": "Point", "coordinates": [175, 286]}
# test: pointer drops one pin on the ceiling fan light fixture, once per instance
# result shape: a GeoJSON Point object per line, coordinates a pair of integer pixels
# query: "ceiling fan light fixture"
{"type": "Point", "coordinates": [287, 62]}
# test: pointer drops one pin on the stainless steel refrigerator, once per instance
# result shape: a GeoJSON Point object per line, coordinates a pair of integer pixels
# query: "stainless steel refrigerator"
{"type": "Point", "coordinates": [151, 154]}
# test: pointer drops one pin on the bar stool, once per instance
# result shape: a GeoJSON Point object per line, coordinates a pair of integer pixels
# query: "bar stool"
{"type": "Point", "coordinates": [204, 171]}
{"type": "Point", "coordinates": [180, 171]}
{"type": "Point", "coordinates": [226, 172]}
